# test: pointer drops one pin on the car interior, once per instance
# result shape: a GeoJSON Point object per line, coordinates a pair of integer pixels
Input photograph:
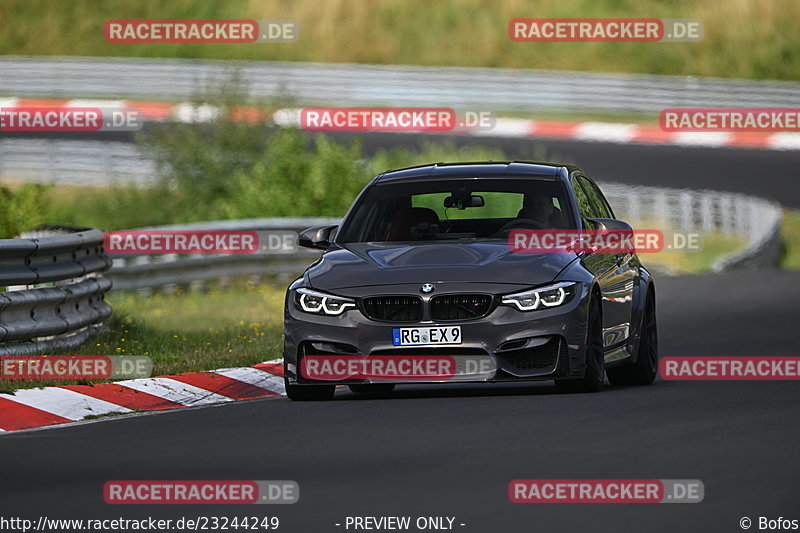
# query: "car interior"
{"type": "Point", "coordinates": [423, 223]}
{"type": "Point", "coordinates": [458, 210]}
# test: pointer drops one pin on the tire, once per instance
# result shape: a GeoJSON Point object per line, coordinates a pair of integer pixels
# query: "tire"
{"type": "Point", "coordinates": [592, 380]}
{"type": "Point", "coordinates": [372, 388]}
{"type": "Point", "coordinates": [306, 393]}
{"type": "Point", "coordinates": [644, 370]}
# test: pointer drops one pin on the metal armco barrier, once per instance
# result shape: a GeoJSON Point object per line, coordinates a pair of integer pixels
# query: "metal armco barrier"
{"type": "Point", "coordinates": [53, 291]}
{"type": "Point", "coordinates": [755, 220]}
{"type": "Point", "coordinates": [355, 84]}
{"type": "Point", "coordinates": [144, 271]}
{"type": "Point", "coordinates": [74, 162]}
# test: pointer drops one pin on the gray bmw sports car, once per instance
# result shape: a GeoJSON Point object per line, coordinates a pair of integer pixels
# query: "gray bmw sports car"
{"type": "Point", "coordinates": [422, 269]}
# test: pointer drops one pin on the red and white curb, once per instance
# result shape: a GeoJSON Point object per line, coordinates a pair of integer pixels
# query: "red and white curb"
{"type": "Point", "coordinates": [33, 408]}
{"type": "Point", "coordinates": [504, 127]}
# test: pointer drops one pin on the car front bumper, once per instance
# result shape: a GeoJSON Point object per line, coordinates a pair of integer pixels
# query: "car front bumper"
{"type": "Point", "coordinates": [543, 344]}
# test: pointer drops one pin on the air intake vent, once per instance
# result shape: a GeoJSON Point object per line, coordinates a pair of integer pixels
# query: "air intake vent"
{"type": "Point", "coordinates": [460, 306]}
{"type": "Point", "coordinates": [538, 358]}
{"type": "Point", "coordinates": [393, 308]}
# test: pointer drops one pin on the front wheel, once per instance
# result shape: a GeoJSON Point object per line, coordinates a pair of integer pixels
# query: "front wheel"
{"type": "Point", "coordinates": [592, 380]}
{"type": "Point", "coordinates": [307, 393]}
{"type": "Point", "coordinates": [644, 370]}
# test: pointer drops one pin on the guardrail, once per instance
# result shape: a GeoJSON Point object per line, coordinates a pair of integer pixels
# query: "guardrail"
{"type": "Point", "coordinates": [75, 162]}
{"type": "Point", "coordinates": [52, 291]}
{"type": "Point", "coordinates": [135, 271]}
{"type": "Point", "coordinates": [353, 84]}
{"type": "Point", "coordinates": [754, 220]}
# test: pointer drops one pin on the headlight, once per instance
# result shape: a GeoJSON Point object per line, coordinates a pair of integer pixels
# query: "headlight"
{"type": "Point", "coordinates": [541, 298]}
{"type": "Point", "coordinates": [321, 303]}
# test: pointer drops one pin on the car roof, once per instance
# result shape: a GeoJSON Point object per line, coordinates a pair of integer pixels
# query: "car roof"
{"type": "Point", "coordinates": [482, 169]}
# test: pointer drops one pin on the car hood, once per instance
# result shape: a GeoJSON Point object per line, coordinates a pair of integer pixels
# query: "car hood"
{"type": "Point", "coordinates": [364, 264]}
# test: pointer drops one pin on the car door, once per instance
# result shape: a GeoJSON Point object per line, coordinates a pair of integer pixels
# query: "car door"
{"type": "Point", "coordinates": [614, 271]}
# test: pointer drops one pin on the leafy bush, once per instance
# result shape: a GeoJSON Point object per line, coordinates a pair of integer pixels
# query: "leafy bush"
{"type": "Point", "coordinates": [22, 209]}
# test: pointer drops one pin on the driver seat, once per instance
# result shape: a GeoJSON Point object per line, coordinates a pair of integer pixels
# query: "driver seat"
{"type": "Point", "coordinates": [555, 221]}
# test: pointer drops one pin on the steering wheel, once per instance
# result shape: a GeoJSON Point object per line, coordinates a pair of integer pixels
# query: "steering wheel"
{"type": "Point", "coordinates": [424, 231]}
{"type": "Point", "coordinates": [517, 223]}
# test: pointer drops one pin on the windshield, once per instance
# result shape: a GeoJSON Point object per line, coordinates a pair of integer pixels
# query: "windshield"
{"type": "Point", "coordinates": [448, 210]}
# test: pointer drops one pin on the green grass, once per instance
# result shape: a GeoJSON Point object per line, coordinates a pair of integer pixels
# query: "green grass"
{"type": "Point", "coordinates": [619, 116]}
{"type": "Point", "coordinates": [791, 239]}
{"type": "Point", "coordinates": [187, 332]}
{"type": "Point", "coordinates": [743, 39]}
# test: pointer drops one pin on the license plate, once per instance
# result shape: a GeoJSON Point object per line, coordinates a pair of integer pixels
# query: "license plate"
{"type": "Point", "coordinates": [426, 336]}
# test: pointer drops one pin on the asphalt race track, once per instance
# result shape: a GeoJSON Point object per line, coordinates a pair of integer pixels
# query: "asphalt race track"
{"type": "Point", "coordinates": [451, 451]}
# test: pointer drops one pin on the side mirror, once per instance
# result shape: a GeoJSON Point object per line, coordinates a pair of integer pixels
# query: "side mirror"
{"type": "Point", "coordinates": [606, 226]}
{"type": "Point", "coordinates": [318, 237]}
{"type": "Point", "coordinates": [609, 224]}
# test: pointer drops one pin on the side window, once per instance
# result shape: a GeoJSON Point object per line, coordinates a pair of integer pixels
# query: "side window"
{"type": "Point", "coordinates": [584, 203]}
{"type": "Point", "coordinates": [599, 206]}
